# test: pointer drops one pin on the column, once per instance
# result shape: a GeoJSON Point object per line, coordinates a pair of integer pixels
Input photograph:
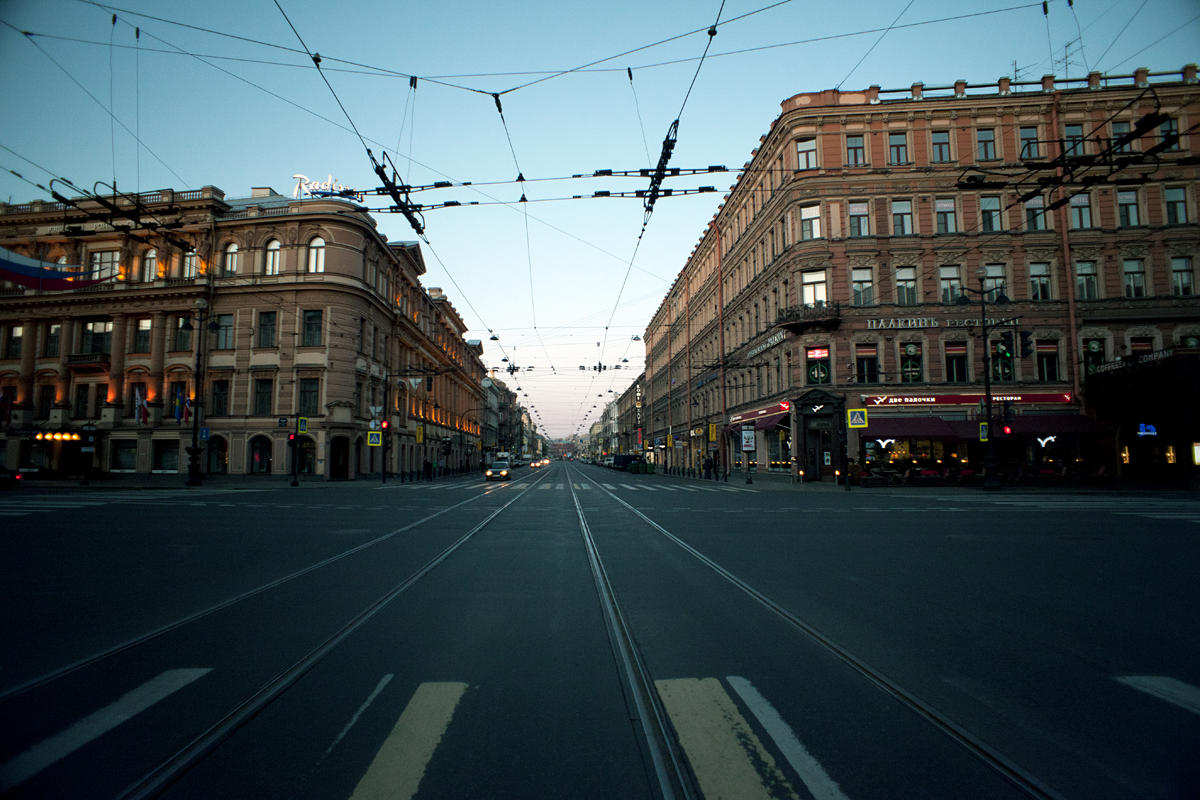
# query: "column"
{"type": "Point", "coordinates": [158, 342]}
{"type": "Point", "coordinates": [116, 364]}
{"type": "Point", "coordinates": [28, 353]}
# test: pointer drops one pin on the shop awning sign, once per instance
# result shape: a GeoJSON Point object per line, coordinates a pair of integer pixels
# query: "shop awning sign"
{"type": "Point", "coordinates": [964, 399]}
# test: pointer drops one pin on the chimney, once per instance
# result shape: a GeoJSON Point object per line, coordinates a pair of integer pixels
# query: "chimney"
{"type": "Point", "coordinates": [1094, 80]}
{"type": "Point", "coordinates": [918, 91]}
{"type": "Point", "coordinates": [435, 293]}
{"type": "Point", "coordinates": [1141, 77]}
{"type": "Point", "coordinates": [1047, 83]}
{"type": "Point", "coordinates": [960, 88]}
{"type": "Point", "coordinates": [1006, 86]}
{"type": "Point", "coordinates": [873, 95]}
{"type": "Point", "coordinates": [1189, 73]}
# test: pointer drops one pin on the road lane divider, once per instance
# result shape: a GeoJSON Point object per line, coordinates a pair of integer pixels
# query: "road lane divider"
{"type": "Point", "coordinates": [397, 769]}
{"type": "Point", "coordinates": [29, 763]}
{"type": "Point", "coordinates": [1172, 690]}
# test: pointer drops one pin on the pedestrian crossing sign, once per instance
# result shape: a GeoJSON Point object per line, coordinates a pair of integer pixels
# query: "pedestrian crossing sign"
{"type": "Point", "coordinates": [856, 417]}
{"type": "Point", "coordinates": [374, 438]}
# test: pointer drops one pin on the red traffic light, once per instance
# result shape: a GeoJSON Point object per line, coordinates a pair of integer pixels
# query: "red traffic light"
{"type": "Point", "coordinates": [1008, 430]}
{"type": "Point", "coordinates": [291, 438]}
{"type": "Point", "coordinates": [384, 424]}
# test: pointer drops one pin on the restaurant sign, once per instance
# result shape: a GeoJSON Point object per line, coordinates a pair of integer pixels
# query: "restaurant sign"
{"type": "Point", "coordinates": [963, 399]}
{"type": "Point", "coordinates": [782, 407]}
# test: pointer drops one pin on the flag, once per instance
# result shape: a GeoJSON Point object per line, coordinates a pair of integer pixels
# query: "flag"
{"type": "Point", "coordinates": [47, 277]}
{"type": "Point", "coordinates": [144, 410]}
{"type": "Point", "coordinates": [187, 410]}
{"type": "Point", "coordinates": [137, 404]}
{"type": "Point", "coordinates": [178, 405]}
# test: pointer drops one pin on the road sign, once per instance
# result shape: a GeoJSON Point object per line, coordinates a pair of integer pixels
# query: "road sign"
{"type": "Point", "coordinates": [204, 434]}
{"type": "Point", "coordinates": [87, 449]}
{"type": "Point", "coordinates": [375, 410]}
{"type": "Point", "coordinates": [748, 441]}
{"type": "Point", "coordinates": [712, 431]}
{"type": "Point", "coordinates": [302, 425]}
{"type": "Point", "coordinates": [420, 434]}
{"type": "Point", "coordinates": [374, 438]}
{"type": "Point", "coordinates": [856, 417]}
{"type": "Point", "coordinates": [282, 422]}
{"type": "Point", "coordinates": [983, 431]}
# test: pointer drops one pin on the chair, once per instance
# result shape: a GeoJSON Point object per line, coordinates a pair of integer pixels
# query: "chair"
{"type": "Point", "coordinates": [902, 479]}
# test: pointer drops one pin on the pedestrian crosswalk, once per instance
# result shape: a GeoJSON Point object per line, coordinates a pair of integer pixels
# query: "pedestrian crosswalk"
{"type": "Point", "coordinates": [22, 506]}
{"type": "Point", "coordinates": [562, 486]}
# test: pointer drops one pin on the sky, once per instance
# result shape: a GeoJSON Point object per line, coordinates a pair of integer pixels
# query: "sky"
{"type": "Point", "coordinates": [222, 93]}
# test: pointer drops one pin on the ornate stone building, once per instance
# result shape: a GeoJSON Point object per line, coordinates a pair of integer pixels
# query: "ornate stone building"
{"type": "Point", "coordinates": [289, 309]}
{"type": "Point", "coordinates": [849, 267]}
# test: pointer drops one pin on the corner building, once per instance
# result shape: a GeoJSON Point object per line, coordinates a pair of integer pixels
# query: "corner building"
{"type": "Point", "coordinates": [849, 266]}
{"type": "Point", "coordinates": [250, 313]}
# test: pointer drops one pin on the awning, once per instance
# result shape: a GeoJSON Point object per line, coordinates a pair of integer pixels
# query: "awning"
{"type": "Point", "coordinates": [771, 420]}
{"type": "Point", "coordinates": [879, 427]}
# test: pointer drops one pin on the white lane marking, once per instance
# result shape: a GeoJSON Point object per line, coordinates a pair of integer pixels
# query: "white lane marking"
{"type": "Point", "coordinates": [370, 699]}
{"type": "Point", "coordinates": [15, 513]}
{"type": "Point", "coordinates": [808, 768]}
{"type": "Point", "coordinates": [1174, 691]}
{"type": "Point", "coordinates": [648, 488]}
{"type": "Point", "coordinates": [399, 766]}
{"type": "Point", "coordinates": [545, 486]}
{"type": "Point", "coordinates": [667, 488]}
{"type": "Point", "coordinates": [585, 486]}
{"type": "Point", "coordinates": [559, 486]}
{"type": "Point", "coordinates": [688, 489]}
{"type": "Point", "coordinates": [608, 486]}
{"type": "Point", "coordinates": [726, 755]}
{"type": "Point", "coordinates": [630, 488]}
{"type": "Point", "coordinates": [61, 745]}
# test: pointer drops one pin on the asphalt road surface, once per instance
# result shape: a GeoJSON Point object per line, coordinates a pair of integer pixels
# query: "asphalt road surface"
{"type": "Point", "coordinates": [586, 633]}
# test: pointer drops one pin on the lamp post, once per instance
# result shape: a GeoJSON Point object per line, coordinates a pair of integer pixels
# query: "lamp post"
{"type": "Point", "coordinates": [193, 452]}
{"type": "Point", "coordinates": [991, 480]}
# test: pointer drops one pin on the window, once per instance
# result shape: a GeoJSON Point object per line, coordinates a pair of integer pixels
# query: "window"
{"type": "Point", "coordinates": [13, 348]}
{"type": "Point", "coordinates": [1176, 206]}
{"type": "Point", "coordinates": [271, 262]}
{"type": "Point", "coordinates": [818, 365]}
{"type": "Point", "coordinates": [80, 411]}
{"type": "Point", "coordinates": [856, 152]}
{"type": "Point", "coordinates": [1081, 210]}
{"type": "Point", "coordinates": [944, 208]}
{"type": "Point", "coordinates": [951, 284]}
{"type": "Point", "coordinates": [124, 455]}
{"type": "Point", "coordinates": [45, 400]}
{"type": "Point", "coordinates": [53, 337]}
{"type": "Point", "coordinates": [897, 148]}
{"type": "Point", "coordinates": [231, 259]}
{"type": "Point", "coordinates": [1047, 360]}
{"type": "Point", "coordinates": [859, 218]}
{"type": "Point", "coordinates": [218, 455]}
{"type": "Point", "coordinates": [956, 362]}
{"type": "Point", "coordinates": [806, 154]}
{"type": "Point", "coordinates": [1169, 131]}
{"type": "Point", "coordinates": [266, 328]}
{"type": "Point", "coordinates": [941, 147]}
{"type": "Point", "coordinates": [316, 255]}
{"type": "Point", "coordinates": [149, 266]}
{"type": "Point", "coordinates": [1035, 214]}
{"type": "Point", "coordinates": [183, 336]}
{"type": "Point", "coordinates": [989, 209]}
{"type": "Point", "coordinates": [1181, 277]}
{"type": "Point", "coordinates": [260, 456]}
{"type": "Point", "coordinates": [312, 329]}
{"type": "Point", "coordinates": [985, 139]}
{"type": "Point", "coordinates": [1073, 141]}
{"type": "Point", "coordinates": [137, 396]}
{"type": "Point", "coordinates": [141, 336]}
{"type": "Point", "coordinates": [223, 335]}
{"type": "Point", "coordinates": [310, 396]}
{"type": "Point", "coordinates": [1039, 281]}
{"type": "Point", "coordinates": [810, 222]}
{"type": "Point", "coordinates": [866, 363]}
{"type": "Point", "coordinates": [358, 394]}
{"type": "Point", "coordinates": [262, 395]}
{"type": "Point", "coordinates": [1127, 209]}
{"type": "Point", "coordinates": [1135, 278]}
{"type": "Point", "coordinates": [906, 286]}
{"type": "Point", "coordinates": [189, 265]}
{"type": "Point", "coordinates": [165, 455]}
{"type": "Point", "coordinates": [220, 399]}
{"type": "Point", "coordinates": [97, 337]}
{"type": "Point", "coordinates": [104, 263]}
{"type": "Point", "coordinates": [863, 287]}
{"type": "Point", "coordinates": [812, 289]}
{"type": "Point", "coordinates": [993, 281]}
{"type": "Point", "coordinates": [911, 368]}
{"type": "Point", "coordinates": [1029, 142]}
{"type": "Point", "coordinates": [1086, 287]}
{"type": "Point", "coordinates": [902, 219]}
{"type": "Point", "coordinates": [1120, 129]}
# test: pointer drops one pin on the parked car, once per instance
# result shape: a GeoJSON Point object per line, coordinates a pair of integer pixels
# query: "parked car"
{"type": "Point", "coordinates": [607, 462]}
{"type": "Point", "coordinates": [624, 462]}
{"type": "Point", "coordinates": [498, 471]}
{"type": "Point", "coordinates": [9, 479]}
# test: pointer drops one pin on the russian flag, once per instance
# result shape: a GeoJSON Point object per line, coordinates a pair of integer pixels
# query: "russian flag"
{"type": "Point", "coordinates": [40, 275]}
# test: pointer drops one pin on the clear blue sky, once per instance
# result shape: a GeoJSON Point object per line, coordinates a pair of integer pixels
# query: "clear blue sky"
{"type": "Point", "coordinates": [236, 122]}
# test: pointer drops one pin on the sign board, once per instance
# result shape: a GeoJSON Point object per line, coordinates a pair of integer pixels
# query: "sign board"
{"type": "Point", "coordinates": [87, 449]}
{"type": "Point", "coordinates": [375, 410]}
{"type": "Point", "coordinates": [712, 431]}
{"type": "Point", "coordinates": [282, 422]}
{"type": "Point", "coordinates": [375, 438]}
{"type": "Point", "coordinates": [856, 418]}
{"type": "Point", "coordinates": [962, 399]}
{"type": "Point", "coordinates": [670, 440]}
{"type": "Point", "coordinates": [302, 424]}
{"type": "Point", "coordinates": [748, 441]}
{"type": "Point", "coordinates": [983, 432]}
{"type": "Point", "coordinates": [204, 434]}
{"type": "Point", "coordinates": [420, 434]}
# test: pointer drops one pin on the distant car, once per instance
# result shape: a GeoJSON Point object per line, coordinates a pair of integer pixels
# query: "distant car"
{"type": "Point", "coordinates": [9, 479]}
{"type": "Point", "coordinates": [608, 461]}
{"type": "Point", "coordinates": [537, 464]}
{"type": "Point", "coordinates": [498, 471]}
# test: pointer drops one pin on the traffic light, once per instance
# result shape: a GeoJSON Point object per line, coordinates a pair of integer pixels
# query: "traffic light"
{"type": "Point", "coordinates": [1007, 430]}
{"type": "Point", "coordinates": [446, 447]}
{"type": "Point", "coordinates": [384, 425]}
{"type": "Point", "coordinates": [291, 440]}
{"type": "Point", "coordinates": [1026, 344]}
{"type": "Point", "coordinates": [1006, 343]}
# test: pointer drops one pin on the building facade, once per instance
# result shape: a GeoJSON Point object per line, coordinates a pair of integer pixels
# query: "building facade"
{"type": "Point", "coordinates": [905, 251]}
{"type": "Point", "coordinates": [255, 321]}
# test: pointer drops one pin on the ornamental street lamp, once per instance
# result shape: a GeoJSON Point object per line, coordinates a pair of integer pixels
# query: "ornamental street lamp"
{"type": "Point", "coordinates": [991, 480]}
{"type": "Point", "coordinates": [193, 476]}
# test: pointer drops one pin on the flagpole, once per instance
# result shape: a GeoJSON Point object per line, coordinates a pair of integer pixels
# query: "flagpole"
{"type": "Point", "coordinates": [193, 478]}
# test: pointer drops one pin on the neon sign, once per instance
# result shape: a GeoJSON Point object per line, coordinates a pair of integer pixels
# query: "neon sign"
{"type": "Point", "coordinates": [1147, 430]}
{"type": "Point", "coordinates": [326, 188]}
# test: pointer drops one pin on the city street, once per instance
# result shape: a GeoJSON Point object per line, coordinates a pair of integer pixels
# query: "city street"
{"type": "Point", "coordinates": [588, 633]}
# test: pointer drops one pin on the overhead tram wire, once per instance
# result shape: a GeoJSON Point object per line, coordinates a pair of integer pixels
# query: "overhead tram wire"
{"type": "Point", "coordinates": [637, 106]}
{"type": "Point", "coordinates": [1121, 33]}
{"type": "Point", "coordinates": [872, 47]}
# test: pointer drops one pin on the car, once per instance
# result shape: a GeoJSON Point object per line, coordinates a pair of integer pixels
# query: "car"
{"type": "Point", "coordinates": [498, 471]}
{"type": "Point", "coordinates": [608, 462]}
{"type": "Point", "coordinates": [9, 479]}
{"type": "Point", "coordinates": [537, 464]}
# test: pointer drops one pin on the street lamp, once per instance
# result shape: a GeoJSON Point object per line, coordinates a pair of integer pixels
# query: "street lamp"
{"type": "Point", "coordinates": [991, 480]}
{"type": "Point", "coordinates": [193, 476]}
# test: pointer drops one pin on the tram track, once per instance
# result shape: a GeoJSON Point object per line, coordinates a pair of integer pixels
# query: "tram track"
{"type": "Point", "coordinates": [1021, 779]}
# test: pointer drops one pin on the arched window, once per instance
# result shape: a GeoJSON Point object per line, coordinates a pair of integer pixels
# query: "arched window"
{"type": "Point", "coordinates": [149, 266]}
{"type": "Point", "coordinates": [316, 255]}
{"type": "Point", "coordinates": [260, 456]}
{"type": "Point", "coordinates": [271, 267]}
{"type": "Point", "coordinates": [218, 455]}
{"type": "Point", "coordinates": [231, 259]}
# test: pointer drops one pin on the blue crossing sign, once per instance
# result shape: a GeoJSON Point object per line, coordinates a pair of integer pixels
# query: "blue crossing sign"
{"type": "Point", "coordinates": [856, 418]}
{"type": "Point", "coordinates": [374, 438]}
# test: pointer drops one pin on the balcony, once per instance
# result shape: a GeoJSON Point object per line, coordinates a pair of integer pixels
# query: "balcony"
{"type": "Point", "coordinates": [89, 362]}
{"type": "Point", "coordinates": [803, 319]}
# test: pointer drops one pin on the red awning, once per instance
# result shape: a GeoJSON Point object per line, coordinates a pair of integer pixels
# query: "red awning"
{"type": "Point", "coordinates": [771, 420]}
{"type": "Point", "coordinates": [880, 427]}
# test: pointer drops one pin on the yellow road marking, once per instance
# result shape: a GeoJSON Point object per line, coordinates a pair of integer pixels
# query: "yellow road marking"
{"type": "Point", "coordinates": [398, 767]}
{"type": "Point", "coordinates": [727, 757]}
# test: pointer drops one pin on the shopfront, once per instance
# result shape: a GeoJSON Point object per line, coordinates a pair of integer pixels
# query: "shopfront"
{"type": "Point", "coordinates": [772, 428]}
{"type": "Point", "coordinates": [820, 435]}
